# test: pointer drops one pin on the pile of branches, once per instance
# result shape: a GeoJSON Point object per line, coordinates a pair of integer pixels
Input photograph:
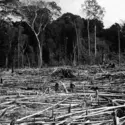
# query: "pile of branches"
{"type": "Point", "coordinates": [63, 73]}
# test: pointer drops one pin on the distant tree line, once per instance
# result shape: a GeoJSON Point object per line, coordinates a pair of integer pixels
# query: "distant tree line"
{"type": "Point", "coordinates": [39, 40]}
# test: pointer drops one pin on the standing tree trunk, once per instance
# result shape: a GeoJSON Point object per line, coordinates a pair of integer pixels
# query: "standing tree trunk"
{"type": "Point", "coordinates": [40, 52]}
{"type": "Point", "coordinates": [28, 60]}
{"type": "Point", "coordinates": [77, 42]}
{"type": "Point", "coordinates": [22, 60]}
{"type": "Point", "coordinates": [40, 60]}
{"type": "Point", "coordinates": [18, 53]}
{"type": "Point", "coordinates": [13, 61]}
{"type": "Point", "coordinates": [119, 46]}
{"type": "Point", "coordinates": [12, 66]}
{"type": "Point", "coordinates": [95, 43]}
{"type": "Point", "coordinates": [19, 43]}
{"type": "Point", "coordinates": [88, 38]}
{"type": "Point", "coordinates": [75, 46]}
{"type": "Point", "coordinates": [78, 45]}
{"type": "Point", "coordinates": [18, 47]}
{"type": "Point", "coordinates": [7, 62]}
{"type": "Point", "coordinates": [74, 55]}
{"type": "Point", "coordinates": [66, 39]}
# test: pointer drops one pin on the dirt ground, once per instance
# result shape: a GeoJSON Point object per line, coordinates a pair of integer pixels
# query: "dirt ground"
{"type": "Point", "coordinates": [84, 95]}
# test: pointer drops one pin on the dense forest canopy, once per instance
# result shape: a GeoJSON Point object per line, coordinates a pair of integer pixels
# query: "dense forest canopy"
{"type": "Point", "coordinates": [44, 36]}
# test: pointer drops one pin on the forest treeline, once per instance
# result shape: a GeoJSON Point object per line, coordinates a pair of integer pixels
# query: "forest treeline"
{"type": "Point", "coordinates": [40, 40]}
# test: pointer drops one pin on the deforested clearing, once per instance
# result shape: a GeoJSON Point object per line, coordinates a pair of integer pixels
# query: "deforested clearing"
{"type": "Point", "coordinates": [47, 96]}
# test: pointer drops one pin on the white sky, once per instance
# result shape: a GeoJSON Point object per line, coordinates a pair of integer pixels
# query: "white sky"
{"type": "Point", "coordinates": [115, 9]}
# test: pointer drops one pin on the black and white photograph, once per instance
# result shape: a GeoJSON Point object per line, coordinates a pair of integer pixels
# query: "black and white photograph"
{"type": "Point", "coordinates": [62, 62]}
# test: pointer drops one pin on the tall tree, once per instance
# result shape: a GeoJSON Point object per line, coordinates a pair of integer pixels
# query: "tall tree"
{"type": "Point", "coordinates": [38, 14]}
{"type": "Point", "coordinates": [92, 10]}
